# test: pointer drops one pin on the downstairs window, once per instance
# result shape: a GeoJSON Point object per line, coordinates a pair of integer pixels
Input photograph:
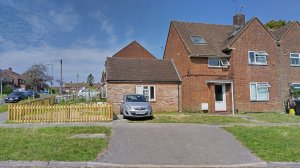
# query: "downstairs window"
{"type": "Point", "coordinates": [147, 91]}
{"type": "Point", "coordinates": [259, 91]}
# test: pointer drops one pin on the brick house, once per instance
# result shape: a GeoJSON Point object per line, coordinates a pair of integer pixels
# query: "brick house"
{"type": "Point", "coordinates": [230, 68]}
{"type": "Point", "coordinates": [288, 57]}
{"type": "Point", "coordinates": [13, 78]}
{"type": "Point", "coordinates": [75, 87]}
{"type": "Point", "coordinates": [157, 79]}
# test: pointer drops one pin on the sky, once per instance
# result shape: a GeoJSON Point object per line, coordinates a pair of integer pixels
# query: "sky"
{"type": "Point", "coordinates": [84, 32]}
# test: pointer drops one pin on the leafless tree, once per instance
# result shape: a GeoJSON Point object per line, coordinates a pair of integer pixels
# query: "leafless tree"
{"type": "Point", "coordinates": [36, 76]}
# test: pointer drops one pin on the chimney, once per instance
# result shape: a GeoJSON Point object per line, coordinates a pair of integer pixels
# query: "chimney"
{"type": "Point", "coordinates": [238, 19]}
{"type": "Point", "coordinates": [10, 68]}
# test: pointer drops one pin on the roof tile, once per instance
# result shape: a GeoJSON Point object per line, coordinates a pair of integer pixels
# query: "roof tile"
{"type": "Point", "coordinates": [215, 36]}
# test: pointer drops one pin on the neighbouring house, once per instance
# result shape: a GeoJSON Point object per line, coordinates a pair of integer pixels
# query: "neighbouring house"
{"type": "Point", "coordinates": [76, 87]}
{"type": "Point", "coordinates": [88, 93]}
{"type": "Point", "coordinates": [134, 50]}
{"type": "Point", "coordinates": [242, 67]}
{"type": "Point", "coordinates": [157, 79]}
{"type": "Point", "coordinates": [13, 78]}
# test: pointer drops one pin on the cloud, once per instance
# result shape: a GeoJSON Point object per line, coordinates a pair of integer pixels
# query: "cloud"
{"type": "Point", "coordinates": [7, 44]}
{"type": "Point", "coordinates": [106, 26]}
{"type": "Point", "coordinates": [66, 19]}
{"type": "Point", "coordinates": [88, 42]}
{"type": "Point", "coordinates": [76, 60]}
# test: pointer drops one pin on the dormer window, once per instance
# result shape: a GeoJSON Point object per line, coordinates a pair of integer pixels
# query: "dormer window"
{"type": "Point", "coordinates": [257, 57]}
{"type": "Point", "coordinates": [198, 40]}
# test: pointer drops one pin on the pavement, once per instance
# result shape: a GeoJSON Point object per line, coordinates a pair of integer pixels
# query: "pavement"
{"type": "Point", "coordinates": [174, 144]}
{"type": "Point", "coordinates": [3, 117]}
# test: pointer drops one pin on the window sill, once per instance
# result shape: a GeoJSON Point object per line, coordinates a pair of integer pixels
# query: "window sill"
{"type": "Point", "coordinates": [218, 67]}
{"type": "Point", "coordinates": [258, 64]}
{"type": "Point", "coordinates": [295, 65]}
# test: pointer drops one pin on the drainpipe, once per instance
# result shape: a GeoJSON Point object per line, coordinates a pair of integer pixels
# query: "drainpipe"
{"type": "Point", "coordinates": [232, 98]}
{"type": "Point", "coordinates": [178, 90]}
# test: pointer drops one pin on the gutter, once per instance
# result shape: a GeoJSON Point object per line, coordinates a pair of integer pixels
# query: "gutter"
{"type": "Point", "coordinates": [176, 70]}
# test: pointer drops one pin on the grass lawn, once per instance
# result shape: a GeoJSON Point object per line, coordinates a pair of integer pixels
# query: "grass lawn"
{"type": "Point", "coordinates": [274, 117]}
{"type": "Point", "coordinates": [281, 144]}
{"type": "Point", "coordinates": [51, 143]}
{"type": "Point", "coordinates": [3, 96]}
{"type": "Point", "coordinates": [3, 108]}
{"type": "Point", "coordinates": [198, 118]}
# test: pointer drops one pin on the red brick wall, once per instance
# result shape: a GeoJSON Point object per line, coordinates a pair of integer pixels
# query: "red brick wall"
{"type": "Point", "coordinates": [166, 95]}
{"type": "Point", "coordinates": [197, 91]}
{"type": "Point", "coordinates": [176, 50]}
{"type": "Point", "coordinates": [194, 73]}
{"type": "Point", "coordinates": [134, 50]}
{"type": "Point", "coordinates": [255, 37]}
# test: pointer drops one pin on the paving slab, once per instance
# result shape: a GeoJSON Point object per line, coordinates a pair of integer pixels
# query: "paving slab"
{"type": "Point", "coordinates": [175, 144]}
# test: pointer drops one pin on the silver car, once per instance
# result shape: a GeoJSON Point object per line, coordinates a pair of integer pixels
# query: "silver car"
{"type": "Point", "coordinates": [136, 106]}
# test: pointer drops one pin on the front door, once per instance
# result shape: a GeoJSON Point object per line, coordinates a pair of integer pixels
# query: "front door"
{"type": "Point", "coordinates": [220, 97]}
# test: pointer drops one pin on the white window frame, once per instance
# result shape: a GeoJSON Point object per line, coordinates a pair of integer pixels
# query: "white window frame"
{"type": "Point", "coordinates": [294, 58]}
{"type": "Point", "coordinates": [149, 91]}
{"type": "Point", "coordinates": [221, 64]}
{"type": "Point", "coordinates": [298, 88]}
{"type": "Point", "coordinates": [258, 54]}
{"type": "Point", "coordinates": [257, 85]}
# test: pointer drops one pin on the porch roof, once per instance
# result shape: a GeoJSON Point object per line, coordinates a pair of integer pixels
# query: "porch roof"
{"type": "Point", "coordinates": [219, 81]}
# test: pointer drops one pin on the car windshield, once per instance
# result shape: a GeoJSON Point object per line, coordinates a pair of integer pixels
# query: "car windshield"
{"type": "Point", "coordinates": [136, 98]}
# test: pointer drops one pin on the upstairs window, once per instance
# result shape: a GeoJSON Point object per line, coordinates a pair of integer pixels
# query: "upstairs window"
{"type": "Point", "coordinates": [295, 59]}
{"type": "Point", "coordinates": [218, 62]}
{"type": "Point", "coordinates": [198, 40]}
{"type": "Point", "coordinates": [258, 57]}
{"type": "Point", "coordinates": [259, 91]}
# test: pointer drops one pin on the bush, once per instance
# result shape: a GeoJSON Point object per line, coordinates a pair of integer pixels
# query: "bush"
{"type": "Point", "coordinates": [7, 89]}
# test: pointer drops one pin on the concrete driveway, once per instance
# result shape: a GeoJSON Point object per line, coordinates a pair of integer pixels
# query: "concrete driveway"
{"type": "Point", "coordinates": [175, 144]}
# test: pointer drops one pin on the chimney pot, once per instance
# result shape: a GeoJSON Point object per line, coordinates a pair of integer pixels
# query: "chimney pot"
{"type": "Point", "coordinates": [238, 19]}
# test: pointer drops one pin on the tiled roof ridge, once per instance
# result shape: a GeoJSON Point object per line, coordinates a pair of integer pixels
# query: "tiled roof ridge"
{"type": "Point", "coordinates": [281, 32]}
{"type": "Point", "coordinates": [184, 22]}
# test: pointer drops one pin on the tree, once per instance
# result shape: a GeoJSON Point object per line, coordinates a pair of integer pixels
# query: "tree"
{"type": "Point", "coordinates": [273, 24]}
{"type": "Point", "coordinates": [36, 76]}
{"type": "Point", "coordinates": [90, 80]}
{"type": "Point", "coordinates": [7, 89]}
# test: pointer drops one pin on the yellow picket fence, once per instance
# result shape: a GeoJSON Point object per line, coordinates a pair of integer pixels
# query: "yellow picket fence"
{"type": "Point", "coordinates": [60, 113]}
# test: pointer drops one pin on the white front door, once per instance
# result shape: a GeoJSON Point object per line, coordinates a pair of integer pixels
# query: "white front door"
{"type": "Point", "coordinates": [220, 97]}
